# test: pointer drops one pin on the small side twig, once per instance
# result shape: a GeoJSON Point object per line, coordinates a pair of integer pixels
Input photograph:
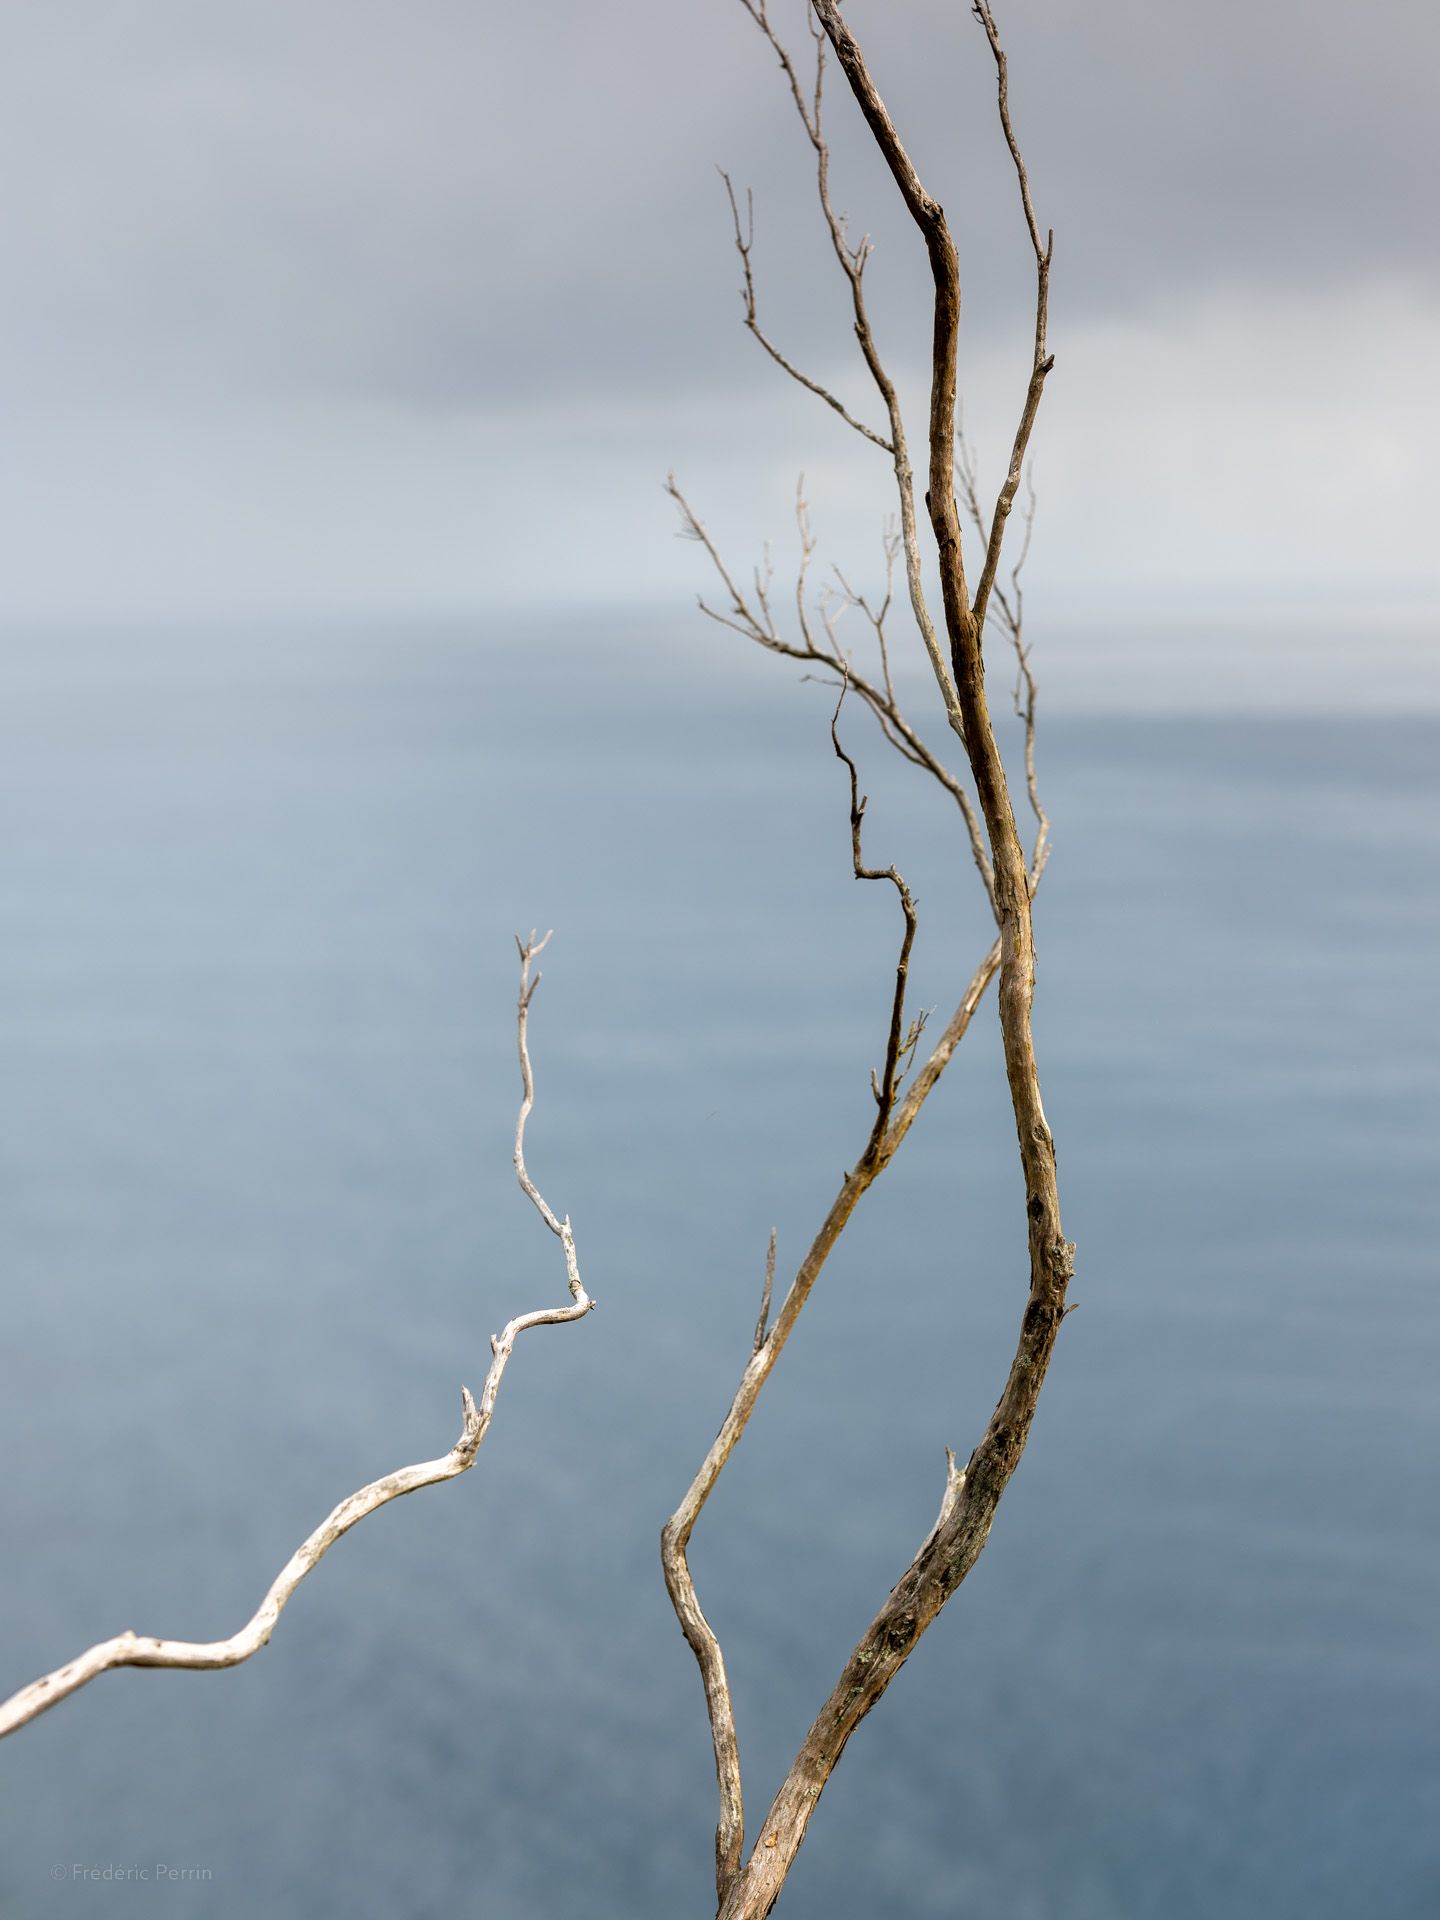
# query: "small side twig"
{"type": "Point", "coordinates": [756, 622]}
{"type": "Point", "coordinates": [852, 257]}
{"type": "Point", "coordinates": [1007, 608]}
{"type": "Point", "coordinates": [744, 245]}
{"type": "Point", "coordinates": [897, 1042]}
{"type": "Point", "coordinates": [763, 1322]}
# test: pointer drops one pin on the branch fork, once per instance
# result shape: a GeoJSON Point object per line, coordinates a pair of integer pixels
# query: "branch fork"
{"type": "Point", "coordinates": [746, 1888]}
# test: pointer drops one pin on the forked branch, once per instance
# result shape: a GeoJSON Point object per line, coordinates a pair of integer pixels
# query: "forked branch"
{"type": "Point", "coordinates": [752, 616]}
{"type": "Point", "coordinates": [852, 259]}
{"type": "Point", "coordinates": [137, 1650]}
{"type": "Point", "coordinates": [894, 1117]}
{"type": "Point", "coordinates": [744, 245]}
{"type": "Point", "coordinates": [899, 1044]}
{"type": "Point", "coordinates": [971, 1495]}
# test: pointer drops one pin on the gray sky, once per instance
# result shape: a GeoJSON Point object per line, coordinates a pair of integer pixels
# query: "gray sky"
{"type": "Point", "coordinates": [319, 306]}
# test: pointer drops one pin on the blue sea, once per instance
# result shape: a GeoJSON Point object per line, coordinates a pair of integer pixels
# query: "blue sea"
{"type": "Point", "coordinates": [257, 979]}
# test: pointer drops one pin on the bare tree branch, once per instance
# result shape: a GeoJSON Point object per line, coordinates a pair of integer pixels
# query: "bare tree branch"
{"type": "Point", "coordinates": [744, 244]}
{"type": "Point", "coordinates": [676, 1534]}
{"type": "Point", "coordinates": [852, 261]}
{"type": "Point", "coordinates": [757, 623]}
{"type": "Point", "coordinates": [1041, 360]}
{"type": "Point", "coordinates": [889, 1128]}
{"type": "Point", "coordinates": [965, 1520]}
{"type": "Point", "coordinates": [1011, 617]}
{"type": "Point", "coordinates": [130, 1649]}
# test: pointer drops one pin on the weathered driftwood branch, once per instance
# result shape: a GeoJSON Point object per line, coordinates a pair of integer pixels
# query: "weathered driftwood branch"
{"type": "Point", "coordinates": [137, 1650]}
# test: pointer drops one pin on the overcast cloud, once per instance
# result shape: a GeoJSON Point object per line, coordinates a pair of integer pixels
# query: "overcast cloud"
{"type": "Point", "coordinates": [320, 306]}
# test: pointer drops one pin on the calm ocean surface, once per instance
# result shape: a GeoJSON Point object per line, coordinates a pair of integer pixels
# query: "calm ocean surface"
{"type": "Point", "coordinates": [256, 1034]}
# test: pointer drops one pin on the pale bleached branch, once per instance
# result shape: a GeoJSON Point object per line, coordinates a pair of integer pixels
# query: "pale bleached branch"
{"type": "Point", "coordinates": [954, 1487]}
{"type": "Point", "coordinates": [130, 1649]}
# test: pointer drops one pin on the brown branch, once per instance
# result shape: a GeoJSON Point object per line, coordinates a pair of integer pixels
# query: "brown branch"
{"type": "Point", "coordinates": [852, 261]}
{"type": "Point", "coordinates": [889, 1128]}
{"type": "Point", "coordinates": [958, 1538]}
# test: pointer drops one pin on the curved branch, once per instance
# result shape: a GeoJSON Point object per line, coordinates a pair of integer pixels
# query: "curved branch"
{"type": "Point", "coordinates": [130, 1649]}
{"type": "Point", "coordinates": [959, 1537]}
{"type": "Point", "coordinates": [676, 1533]}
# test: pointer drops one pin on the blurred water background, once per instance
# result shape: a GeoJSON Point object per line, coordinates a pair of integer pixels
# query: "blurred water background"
{"type": "Point", "coordinates": [257, 893]}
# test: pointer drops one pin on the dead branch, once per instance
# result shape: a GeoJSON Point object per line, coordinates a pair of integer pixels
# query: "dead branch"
{"type": "Point", "coordinates": [897, 1043]}
{"type": "Point", "coordinates": [676, 1534]}
{"type": "Point", "coordinates": [852, 261]}
{"type": "Point", "coordinates": [756, 622]}
{"type": "Point", "coordinates": [1008, 610]}
{"type": "Point", "coordinates": [744, 245]}
{"type": "Point", "coordinates": [1041, 360]}
{"type": "Point", "coordinates": [764, 1320]}
{"type": "Point", "coordinates": [130, 1649]}
{"type": "Point", "coordinates": [971, 1497]}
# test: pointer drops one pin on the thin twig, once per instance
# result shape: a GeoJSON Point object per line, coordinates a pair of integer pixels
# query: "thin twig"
{"type": "Point", "coordinates": [1042, 360]}
{"type": "Point", "coordinates": [896, 1043]}
{"type": "Point", "coordinates": [744, 244]}
{"type": "Point", "coordinates": [852, 260]}
{"type": "Point", "coordinates": [676, 1534]}
{"type": "Point", "coordinates": [1009, 608]}
{"type": "Point", "coordinates": [764, 1320]}
{"type": "Point", "coordinates": [760, 627]}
